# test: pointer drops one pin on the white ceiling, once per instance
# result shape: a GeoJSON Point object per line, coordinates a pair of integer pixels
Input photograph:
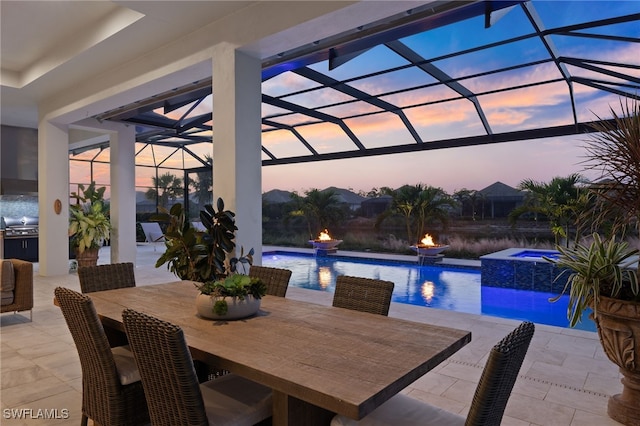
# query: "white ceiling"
{"type": "Point", "coordinates": [50, 50]}
{"type": "Point", "coordinates": [46, 45]}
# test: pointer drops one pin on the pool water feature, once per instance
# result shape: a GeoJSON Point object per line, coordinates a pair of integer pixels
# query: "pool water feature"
{"type": "Point", "coordinates": [441, 287]}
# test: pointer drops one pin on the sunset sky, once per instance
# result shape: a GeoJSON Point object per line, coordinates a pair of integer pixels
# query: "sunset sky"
{"type": "Point", "coordinates": [455, 168]}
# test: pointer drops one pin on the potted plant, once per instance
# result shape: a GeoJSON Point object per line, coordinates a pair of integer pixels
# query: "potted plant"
{"type": "Point", "coordinates": [604, 274]}
{"type": "Point", "coordinates": [598, 271]}
{"type": "Point", "coordinates": [244, 292]}
{"type": "Point", "coordinates": [208, 257]}
{"type": "Point", "coordinates": [89, 224]}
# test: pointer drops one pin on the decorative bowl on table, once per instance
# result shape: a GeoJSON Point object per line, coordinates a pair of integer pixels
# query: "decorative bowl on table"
{"type": "Point", "coordinates": [235, 296]}
{"type": "Point", "coordinates": [236, 308]}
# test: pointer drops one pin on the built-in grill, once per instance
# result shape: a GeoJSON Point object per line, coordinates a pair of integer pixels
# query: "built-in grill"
{"type": "Point", "coordinates": [23, 227]}
{"type": "Point", "coordinates": [20, 238]}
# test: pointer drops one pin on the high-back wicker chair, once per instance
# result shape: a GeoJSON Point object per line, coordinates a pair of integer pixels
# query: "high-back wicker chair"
{"type": "Point", "coordinates": [171, 386]}
{"type": "Point", "coordinates": [276, 279]}
{"type": "Point", "coordinates": [106, 277]}
{"type": "Point", "coordinates": [363, 294]}
{"type": "Point", "coordinates": [489, 401]}
{"type": "Point", "coordinates": [112, 393]}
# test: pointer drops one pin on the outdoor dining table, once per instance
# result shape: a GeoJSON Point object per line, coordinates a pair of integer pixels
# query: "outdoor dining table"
{"type": "Point", "coordinates": [318, 360]}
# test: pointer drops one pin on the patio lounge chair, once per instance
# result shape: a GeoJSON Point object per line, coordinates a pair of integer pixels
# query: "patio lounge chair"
{"type": "Point", "coordinates": [152, 233]}
{"type": "Point", "coordinates": [489, 401]}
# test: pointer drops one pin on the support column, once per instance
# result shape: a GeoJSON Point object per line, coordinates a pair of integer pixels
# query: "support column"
{"type": "Point", "coordinates": [53, 185]}
{"type": "Point", "coordinates": [123, 195]}
{"type": "Point", "coordinates": [237, 174]}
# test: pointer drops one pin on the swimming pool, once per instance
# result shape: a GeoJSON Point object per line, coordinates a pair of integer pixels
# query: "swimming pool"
{"type": "Point", "coordinates": [440, 287]}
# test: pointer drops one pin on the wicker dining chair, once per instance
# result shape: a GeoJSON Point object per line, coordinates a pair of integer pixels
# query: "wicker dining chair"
{"type": "Point", "coordinates": [276, 279]}
{"type": "Point", "coordinates": [106, 277]}
{"type": "Point", "coordinates": [112, 393]}
{"type": "Point", "coordinates": [489, 401]}
{"type": "Point", "coordinates": [173, 393]}
{"type": "Point", "coordinates": [363, 294]}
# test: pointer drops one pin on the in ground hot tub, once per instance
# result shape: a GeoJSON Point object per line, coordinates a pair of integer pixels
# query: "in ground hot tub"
{"type": "Point", "coordinates": [524, 269]}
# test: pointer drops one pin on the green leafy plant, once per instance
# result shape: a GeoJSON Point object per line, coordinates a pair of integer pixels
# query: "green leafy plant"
{"type": "Point", "coordinates": [614, 151]}
{"type": "Point", "coordinates": [234, 285]}
{"type": "Point", "coordinates": [89, 224]}
{"type": "Point", "coordinates": [597, 269]}
{"type": "Point", "coordinates": [201, 255]}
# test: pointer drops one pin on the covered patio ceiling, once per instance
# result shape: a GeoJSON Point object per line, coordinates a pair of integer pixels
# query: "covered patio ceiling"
{"type": "Point", "coordinates": [458, 74]}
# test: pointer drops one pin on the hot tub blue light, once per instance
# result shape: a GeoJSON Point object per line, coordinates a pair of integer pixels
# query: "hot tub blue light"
{"type": "Point", "coordinates": [536, 254]}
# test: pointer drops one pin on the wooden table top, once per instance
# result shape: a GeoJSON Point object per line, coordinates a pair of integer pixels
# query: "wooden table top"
{"type": "Point", "coordinates": [344, 361]}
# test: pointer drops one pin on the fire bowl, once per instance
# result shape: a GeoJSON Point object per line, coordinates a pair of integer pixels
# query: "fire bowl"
{"type": "Point", "coordinates": [429, 250]}
{"type": "Point", "coordinates": [325, 245]}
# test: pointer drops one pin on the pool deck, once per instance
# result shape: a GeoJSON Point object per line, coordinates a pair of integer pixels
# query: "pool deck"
{"type": "Point", "coordinates": [565, 378]}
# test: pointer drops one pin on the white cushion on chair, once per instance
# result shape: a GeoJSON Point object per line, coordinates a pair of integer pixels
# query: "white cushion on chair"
{"type": "Point", "coordinates": [231, 400]}
{"type": "Point", "coordinates": [126, 365]}
{"type": "Point", "coordinates": [402, 410]}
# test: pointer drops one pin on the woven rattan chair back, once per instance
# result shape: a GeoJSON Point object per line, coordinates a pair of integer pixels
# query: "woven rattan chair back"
{"type": "Point", "coordinates": [363, 294]}
{"type": "Point", "coordinates": [489, 402]}
{"type": "Point", "coordinates": [166, 369]}
{"type": "Point", "coordinates": [106, 277]}
{"type": "Point", "coordinates": [499, 376]}
{"type": "Point", "coordinates": [276, 279]}
{"type": "Point", "coordinates": [104, 399]}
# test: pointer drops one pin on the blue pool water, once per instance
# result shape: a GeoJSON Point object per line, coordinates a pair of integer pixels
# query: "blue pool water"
{"type": "Point", "coordinates": [454, 289]}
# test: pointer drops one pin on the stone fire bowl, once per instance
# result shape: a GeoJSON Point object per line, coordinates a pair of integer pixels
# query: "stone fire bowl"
{"type": "Point", "coordinates": [325, 245]}
{"type": "Point", "coordinates": [429, 250]}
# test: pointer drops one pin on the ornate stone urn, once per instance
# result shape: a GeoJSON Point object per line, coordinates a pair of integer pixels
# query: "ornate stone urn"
{"type": "Point", "coordinates": [89, 257]}
{"type": "Point", "coordinates": [618, 324]}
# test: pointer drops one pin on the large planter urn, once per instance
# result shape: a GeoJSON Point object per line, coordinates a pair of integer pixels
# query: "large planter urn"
{"type": "Point", "coordinates": [89, 257]}
{"type": "Point", "coordinates": [236, 308]}
{"type": "Point", "coordinates": [619, 330]}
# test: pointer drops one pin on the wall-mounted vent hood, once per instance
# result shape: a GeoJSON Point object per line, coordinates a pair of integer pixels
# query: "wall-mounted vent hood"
{"type": "Point", "coordinates": [18, 187]}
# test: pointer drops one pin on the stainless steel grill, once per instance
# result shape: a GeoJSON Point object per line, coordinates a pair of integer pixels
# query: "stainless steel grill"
{"type": "Point", "coordinates": [23, 227]}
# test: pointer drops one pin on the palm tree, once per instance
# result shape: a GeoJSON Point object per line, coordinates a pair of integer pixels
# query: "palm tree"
{"type": "Point", "coordinates": [404, 201]}
{"type": "Point", "coordinates": [417, 204]}
{"type": "Point", "coordinates": [615, 151]}
{"type": "Point", "coordinates": [559, 200]}
{"type": "Point", "coordinates": [203, 184]}
{"type": "Point", "coordinates": [433, 204]}
{"type": "Point", "coordinates": [467, 196]}
{"type": "Point", "coordinates": [166, 187]}
{"type": "Point", "coordinates": [321, 208]}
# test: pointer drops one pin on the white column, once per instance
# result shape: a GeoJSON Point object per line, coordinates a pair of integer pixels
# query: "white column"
{"type": "Point", "coordinates": [53, 185]}
{"type": "Point", "coordinates": [237, 174]}
{"type": "Point", "coordinates": [123, 195]}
